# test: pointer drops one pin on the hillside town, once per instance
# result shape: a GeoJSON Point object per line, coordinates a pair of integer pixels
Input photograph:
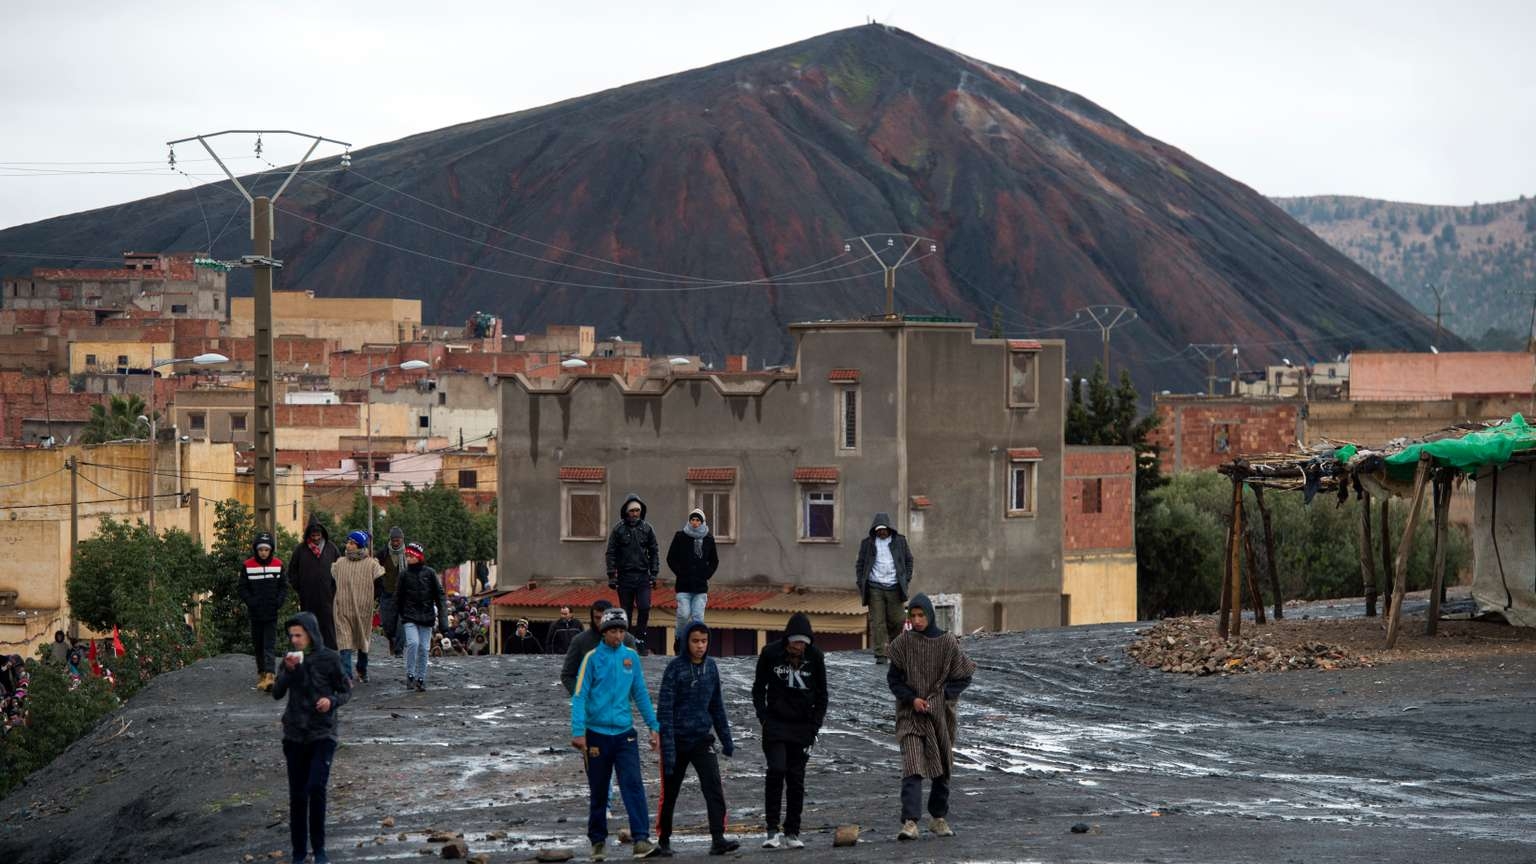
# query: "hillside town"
{"type": "Point", "coordinates": [852, 448]}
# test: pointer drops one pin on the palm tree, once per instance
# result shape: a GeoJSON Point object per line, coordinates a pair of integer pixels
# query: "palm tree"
{"type": "Point", "coordinates": [115, 421]}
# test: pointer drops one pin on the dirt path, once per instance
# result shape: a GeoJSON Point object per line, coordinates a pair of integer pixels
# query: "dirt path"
{"type": "Point", "coordinates": [1420, 759]}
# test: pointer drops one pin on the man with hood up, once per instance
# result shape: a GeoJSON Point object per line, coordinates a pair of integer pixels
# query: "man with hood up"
{"type": "Point", "coordinates": [316, 686]}
{"type": "Point", "coordinates": [929, 671]}
{"type": "Point", "coordinates": [789, 693]}
{"type": "Point", "coordinates": [309, 572]}
{"type": "Point", "coordinates": [633, 560]}
{"type": "Point", "coordinates": [392, 557]}
{"type": "Point", "coordinates": [264, 592]}
{"type": "Point", "coordinates": [882, 573]}
{"type": "Point", "coordinates": [692, 713]}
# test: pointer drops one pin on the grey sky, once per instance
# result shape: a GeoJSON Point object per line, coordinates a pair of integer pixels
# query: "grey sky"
{"type": "Point", "coordinates": [1416, 101]}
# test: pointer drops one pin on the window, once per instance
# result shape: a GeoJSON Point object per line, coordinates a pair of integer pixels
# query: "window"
{"type": "Point", "coordinates": [820, 518]}
{"type": "Point", "coordinates": [237, 422]}
{"type": "Point", "coordinates": [946, 612]}
{"type": "Point", "coordinates": [718, 508]}
{"type": "Point", "coordinates": [197, 421]}
{"type": "Point", "coordinates": [584, 514]}
{"type": "Point", "coordinates": [424, 421]}
{"type": "Point", "coordinates": [90, 359]}
{"type": "Point", "coordinates": [469, 478]}
{"type": "Point", "coordinates": [1221, 437]}
{"type": "Point", "coordinates": [442, 397]}
{"type": "Point", "coordinates": [215, 304]}
{"type": "Point", "coordinates": [1021, 488]}
{"type": "Point", "coordinates": [380, 466]}
{"type": "Point", "coordinates": [122, 360]}
{"type": "Point", "coordinates": [848, 420]}
{"type": "Point", "coordinates": [178, 308]}
{"type": "Point", "coordinates": [1021, 379]}
{"type": "Point", "coordinates": [1093, 495]}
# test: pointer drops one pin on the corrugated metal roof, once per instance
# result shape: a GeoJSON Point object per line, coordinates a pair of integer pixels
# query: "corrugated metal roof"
{"type": "Point", "coordinates": [824, 474]}
{"type": "Point", "coordinates": [583, 474]}
{"type": "Point", "coordinates": [711, 475]}
{"type": "Point", "coordinates": [818, 602]}
{"type": "Point", "coordinates": [1023, 454]}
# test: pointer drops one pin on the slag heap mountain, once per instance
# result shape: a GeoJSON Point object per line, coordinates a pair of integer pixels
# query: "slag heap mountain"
{"type": "Point", "coordinates": [1041, 203]}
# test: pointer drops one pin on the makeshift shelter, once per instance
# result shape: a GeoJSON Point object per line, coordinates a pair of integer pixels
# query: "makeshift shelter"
{"type": "Point", "coordinates": [1500, 455]}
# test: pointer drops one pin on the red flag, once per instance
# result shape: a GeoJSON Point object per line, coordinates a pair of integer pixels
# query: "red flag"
{"type": "Point", "coordinates": [92, 656]}
{"type": "Point", "coordinates": [117, 644]}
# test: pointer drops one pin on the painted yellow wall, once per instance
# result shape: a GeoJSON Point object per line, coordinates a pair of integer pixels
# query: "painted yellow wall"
{"type": "Point", "coordinates": [140, 355]}
{"type": "Point", "coordinates": [1102, 588]}
{"type": "Point", "coordinates": [351, 321]}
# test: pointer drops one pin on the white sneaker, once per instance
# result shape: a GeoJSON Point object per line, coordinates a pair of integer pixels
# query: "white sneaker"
{"type": "Point", "coordinates": [774, 841]}
{"type": "Point", "coordinates": [793, 841]}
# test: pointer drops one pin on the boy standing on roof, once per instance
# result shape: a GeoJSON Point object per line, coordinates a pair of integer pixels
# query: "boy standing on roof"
{"type": "Point", "coordinates": [633, 560]}
{"type": "Point", "coordinates": [609, 685]}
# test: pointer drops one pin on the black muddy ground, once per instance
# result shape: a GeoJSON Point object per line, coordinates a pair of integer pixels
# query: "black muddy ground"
{"type": "Point", "coordinates": [1411, 761]}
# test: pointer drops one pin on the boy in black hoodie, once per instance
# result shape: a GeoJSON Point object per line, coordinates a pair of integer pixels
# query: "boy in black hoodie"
{"type": "Point", "coordinates": [316, 686]}
{"type": "Point", "coordinates": [633, 560]}
{"type": "Point", "coordinates": [264, 592]}
{"type": "Point", "coordinates": [790, 695]}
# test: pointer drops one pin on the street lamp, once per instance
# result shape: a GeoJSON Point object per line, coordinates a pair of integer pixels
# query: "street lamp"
{"type": "Point", "coordinates": [152, 421]}
{"type": "Point", "coordinates": [407, 366]}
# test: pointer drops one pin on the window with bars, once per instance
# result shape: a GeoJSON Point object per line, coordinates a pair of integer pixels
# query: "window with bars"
{"type": "Point", "coordinates": [848, 419]}
{"type": "Point", "coordinates": [469, 478]}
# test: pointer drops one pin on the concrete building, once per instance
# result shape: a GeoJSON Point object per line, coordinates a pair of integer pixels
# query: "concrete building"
{"type": "Point", "coordinates": [1404, 376]}
{"type": "Point", "coordinates": [351, 321]}
{"type": "Point", "coordinates": [164, 285]}
{"type": "Point", "coordinates": [793, 464]}
{"type": "Point", "coordinates": [1099, 535]}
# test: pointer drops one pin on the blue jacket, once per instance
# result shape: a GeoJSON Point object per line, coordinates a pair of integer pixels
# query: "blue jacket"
{"type": "Point", "coordinates": [690, 707]}
{"type": "Point", "coordinates": [607, 682]}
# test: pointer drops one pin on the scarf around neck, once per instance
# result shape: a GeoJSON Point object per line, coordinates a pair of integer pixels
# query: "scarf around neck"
{"type": "Point", "coordinates": [356, 554]}
{"type": "Point", "coordinates": [698, 534]}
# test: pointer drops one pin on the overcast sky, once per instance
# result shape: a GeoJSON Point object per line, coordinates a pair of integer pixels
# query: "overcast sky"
{"type": "Point", "coordinates": [1411, 101]}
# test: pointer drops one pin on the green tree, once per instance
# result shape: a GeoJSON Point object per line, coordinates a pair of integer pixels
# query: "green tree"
{"type": "Point", "coordinates": [1112, 417]}
{"type": "Point", "coordinates": [57, 715]}
{"type": "Point", "coordinates": [115, 421]}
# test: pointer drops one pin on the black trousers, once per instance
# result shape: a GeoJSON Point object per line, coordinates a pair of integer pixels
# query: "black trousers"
{"type": "Point", "coordinates": [702, 757]}
{"type": "Point", "coordinates": [912, 797]}
{"type": "Point", "coordinates": [786, 774]}
{"type": "Point", "coordinates": [264, 644]}
{"type": "Point", "coordinates": [309, 772]}
{"type": "Point", "coordinates": [635, 600]}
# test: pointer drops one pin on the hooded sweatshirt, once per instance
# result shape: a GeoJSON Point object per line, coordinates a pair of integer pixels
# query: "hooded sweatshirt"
{"type": "Point", "coordinates": [310, 575]}
{"type": "Point", "coordinates": [691, 704]}
{"type": "Point", "coordinates": [320, 675]}
{"type": "Point", "coordinates": [633, 557]}
{"type": "Point", "coordinates": [607, 683]}
{"type": "Point", "coordinates": [262, 588]}
{"type": "Point", "coordinates": [790, 699]}
{"type": "Point", "coordinates": [869, 554]}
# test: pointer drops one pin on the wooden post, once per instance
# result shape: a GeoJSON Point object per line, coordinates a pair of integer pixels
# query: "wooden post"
{"type": "Point", "coordinates": [1253, 578]}
{"type": "Point", "coordinates": [1269, 553]}
{"type": "Point", "coordinates": [1405, 548]}
{"type": "Point", "coordinates": [1234, 561]}
{"type": "Point", "coordinates": [196, 520]}
{"type": "Point", "coordinates": [1386, 553]}
{"type": "Point", "coordinates": [1226, 582]}
{"type": "Point", "coordinates": [1367, 557]}
{"type": "Point", "coordinates": [1442, 517]}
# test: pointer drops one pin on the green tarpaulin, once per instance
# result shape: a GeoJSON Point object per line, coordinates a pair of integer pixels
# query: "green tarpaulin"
{"type": "Point", "coordinates": [1468, 453]}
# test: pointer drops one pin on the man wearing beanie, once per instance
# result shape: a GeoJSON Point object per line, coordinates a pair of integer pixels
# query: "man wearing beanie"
{"type": "Point", "coordinates": [355, 573]}
{"type": "Point", "coordinates": [789, 693]}
{"type": "Point", "coordinates": [633, 560]}
{"type": "Point", "coordinates": [609, 685]}
{"type": "Point", "coordinates": [264, 592]}
{"type": "Point", "coordinates": [392, 557]}
{"type": "Point", "coordinates": [693, 560]}
{"type": "Point", "coordinates": [423, 605]}
{"type": "Point", "coordinates": [584, 642]}
{"type": "Point", "coordinates": [691, 707]}
{"type": "Point", "coordinates": [929, 671]}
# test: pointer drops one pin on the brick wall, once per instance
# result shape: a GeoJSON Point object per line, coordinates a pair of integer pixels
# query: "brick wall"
{"type": "Point", "coordinates": [343, 416]}
{"type": "Point", "coordinates": [1108, 473]}
{"type": "Point", "coordinates": [1198, 434]}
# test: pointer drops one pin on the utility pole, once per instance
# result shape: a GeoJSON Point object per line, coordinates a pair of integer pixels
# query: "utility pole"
{"type": "Point", "coordinates": [1439, 299]}
{"type": "Point", "coordinates": [890, 269]}
{"type": "Point", "coordinates": [73, 464]}
{"type": "Point", "coordinates": [262, 262]}
{"type": "Point", "coordinates": [1108, 318]}
{"type": "Point", "coordinates": [1210, 352]}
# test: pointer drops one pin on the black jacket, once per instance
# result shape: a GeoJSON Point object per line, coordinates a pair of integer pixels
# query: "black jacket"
{"type": "Point", "coordinates": [791, 702]}
{"type": "Point", "coordinates": [320, 675]}
{"type": "Point", "coordinates": [692, 571]}
{"type": "Point", "coordinates": [524, 645]}
{"type": "Point", "coordinates": [633, 557]}
{"type": "Point", "coordinates": [390, 581]}
{"type": "Point", "coordinates": [262, 588]}
{"type": "Point", "coordinates": [899, 551]}
{"type": "Point", "coordinates": [310, 576]}
{"type": "Point", "coordinates": [420, 598]}
{"type": "Point", "coordinates": [561, 633]}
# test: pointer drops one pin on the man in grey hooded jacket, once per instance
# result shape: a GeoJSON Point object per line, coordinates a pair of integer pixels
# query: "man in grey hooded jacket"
{"type": "Point", "coordinates": [633, 560]}
{"type": "Point", "coordinates": [882, 573]}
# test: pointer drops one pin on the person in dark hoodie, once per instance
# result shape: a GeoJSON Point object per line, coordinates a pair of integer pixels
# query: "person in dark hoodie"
{"type": "Point", "coordinates": [693, 559]}
{"type": "Point", "coordinates": [264, 592]}
{"type": "Point", "coordinates": [309, 572]}
{"type": "Point", "coordinates": [316, 686]}
{"type": "Point", "coordinates": [929, 671]}
{"type": "Point", "coordinates": [883, 572]}
{"type": "Point", "coordinates": [789, 693]}
{"type": "Point", "coordinates": [423, 605]}
{"type": "Point", "coordinates": [392, 557]}
{"type": "Point", "coordinates": [690, 706]}
{"type": "Point", "coordinates": [633, 560]}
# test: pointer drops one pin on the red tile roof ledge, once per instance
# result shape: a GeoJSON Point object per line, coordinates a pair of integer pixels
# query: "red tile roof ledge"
{"type": "Point", "coordinates": [817, 475]}
{"type": "Point", "coordinates": [582, 474]}
{"type": "Point", "coordinates": [1023, 454]}
{"type": "Point", "coordinates": [711, 475]}
{"type": "Point", "coordinates": [843, 376]}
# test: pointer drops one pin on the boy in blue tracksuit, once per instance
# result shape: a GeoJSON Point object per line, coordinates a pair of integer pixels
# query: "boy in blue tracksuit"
{"type": "Point", "coordinates": [608, 683]}
{"type": "Point", "coordinates": [692, 708]}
